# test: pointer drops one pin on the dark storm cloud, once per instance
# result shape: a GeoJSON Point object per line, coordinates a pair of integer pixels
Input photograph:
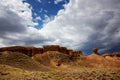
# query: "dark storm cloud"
{"type": "Point", "coordinates": [38, 41]}
{"type": "Point", "coordinates": [83, 24]}
{"type": "Point", "coordinates": [87, 24]}
{"type": "Point", "coordinates": [106, 32]}
{"type": "Point", "coordinates": [16, 27]}
{"type": "Point", "coordinates": [26, 41]}
{"type": "Point", "coordinates": [11, 23]}
{"type": "Point", "coordinates": [14, 32]}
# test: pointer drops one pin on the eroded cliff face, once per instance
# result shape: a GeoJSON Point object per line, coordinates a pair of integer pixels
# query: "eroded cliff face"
{"type": "Point", "coordinates": [31, 51]}
{"type": "Point", "coordinates": [51, 48]}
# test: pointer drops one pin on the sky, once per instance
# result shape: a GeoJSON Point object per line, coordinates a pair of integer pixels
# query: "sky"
{"type": "Point", "coordinates": [75, 24]}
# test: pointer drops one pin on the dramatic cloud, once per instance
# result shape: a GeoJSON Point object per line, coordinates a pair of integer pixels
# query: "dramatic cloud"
{"type": "Point", "coordinates": [16, 24]}
{"type": "Point", "coordinates": [86, 23]}
{"type": "Point", "coordinates": [83, 24]}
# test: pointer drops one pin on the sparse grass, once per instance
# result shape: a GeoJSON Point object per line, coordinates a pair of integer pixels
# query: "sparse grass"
{"type": "Point", "coordinates": [73, 74]}
{"type": "Point", "coordinates": [21, 61]}
{"type": "Point", "coordinates": [17, 66]}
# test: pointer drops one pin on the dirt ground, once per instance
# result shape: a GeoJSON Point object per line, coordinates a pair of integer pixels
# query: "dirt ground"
{"type": "Point", "coordinates": [86, 68]}
{"type": "Point", "coordinates": [75, 73]}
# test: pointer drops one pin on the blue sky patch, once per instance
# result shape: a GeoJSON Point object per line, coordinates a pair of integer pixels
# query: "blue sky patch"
{"type": "Point", "coordinates": [40, 8]}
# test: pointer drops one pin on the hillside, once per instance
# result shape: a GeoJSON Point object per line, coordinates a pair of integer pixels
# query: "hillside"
{"type": "Point", "coordinates": [52, 59]}
{"type": "Point", "coordinates": [56, 63]}
{"type": "Point", "coordinates": [20, 60]}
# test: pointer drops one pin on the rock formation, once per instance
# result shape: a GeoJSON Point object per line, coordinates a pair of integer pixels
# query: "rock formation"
{"type": "Point", "coordinates": [25, 50]}
{"type": "Point", "coordinates": [63, 50]}
{"type": "Point", "coordinates": [37, 51]}
{"type": "Point", "coordinates": [51, 48]}
{"type": "Point", "coordinates": [74, 55]}
{"type": "Point", "coordinates": [115, 54]}
{"type": "Point", "coordinates": [94, 56]}
{"type": "Point", "coordinates": [31, 51]}
{"type": "Point", "coordinates": [95, 51]}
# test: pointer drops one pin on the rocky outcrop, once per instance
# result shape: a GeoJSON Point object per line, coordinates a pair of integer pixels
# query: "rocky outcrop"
{"type": "Point", "coordinates": [25, 50]}
{"type": "Point", "coordinates": [51, 48]}
{"type": "Point", "coordinates": [37, 51]}
{"type": "Point", "coordinates": [75, 53]}
{"type": "Point", "coordinates": [95, 51]}
{"type": "Point", "coordinates": [31, 51]}
{"type": "Point", "coordinates": [94, 56]}
{"type": "Point", "coordinates": [111, 54]}
{"type": "Point", "coordinates": [63, 50]}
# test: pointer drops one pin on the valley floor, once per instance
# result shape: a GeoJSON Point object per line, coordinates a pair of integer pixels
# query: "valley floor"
{"type": "Point", "coordinates": [81, 73]}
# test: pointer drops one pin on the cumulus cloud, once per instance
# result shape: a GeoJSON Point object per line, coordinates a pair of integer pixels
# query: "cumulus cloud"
{"type": "Point", "coordinates": [82, 24]}
{"type": "Point", "coordinates": [46, 19]}
{"type": "Point", "coordinates": [38, 18]}
{"type": "Point", "coordinates": [16, 24]}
